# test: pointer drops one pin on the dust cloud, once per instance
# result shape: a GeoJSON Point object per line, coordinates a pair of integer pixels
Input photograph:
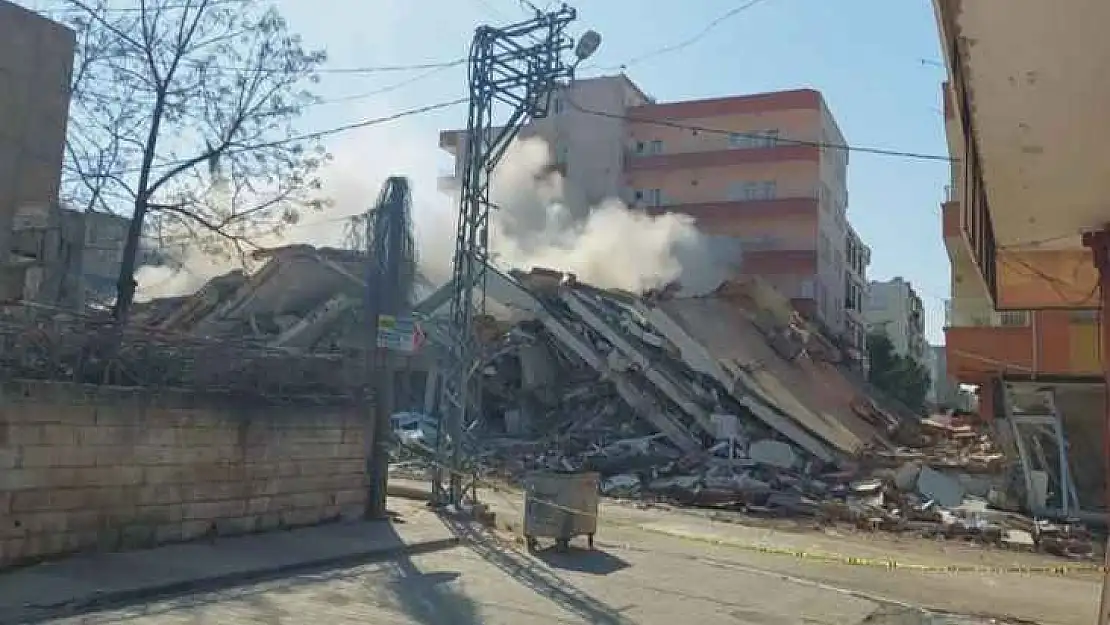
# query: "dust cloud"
{"type": "Point", "coordinates": [536, 223]}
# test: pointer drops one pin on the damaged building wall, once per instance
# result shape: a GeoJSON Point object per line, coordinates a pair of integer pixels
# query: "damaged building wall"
{"type": "Point", "coordinates": [36, 62]}
{"type": "Point", "coordinates": [85, 467]}
{"type": "Point", "coordinates": [1082, 413]}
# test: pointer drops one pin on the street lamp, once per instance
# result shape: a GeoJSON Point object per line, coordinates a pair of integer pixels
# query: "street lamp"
{"type": "Point", "coordinates": [588, 43]}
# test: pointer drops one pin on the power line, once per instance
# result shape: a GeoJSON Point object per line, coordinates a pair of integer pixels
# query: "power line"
{"type": "Point", "coordinates": [385, 89]}
{"type": "Point", "coordinates": [72, 10]}
{"type": "Point", "coordinates": [778, 140]}
{"type": "Point", "coordinates": [376, 121]}
{"type": "Point", "coordinates": [686, 43]}
{"type": "Point", "coordinates": [378, 69]}
{"type": "Point", "coordinates": [323, 70]}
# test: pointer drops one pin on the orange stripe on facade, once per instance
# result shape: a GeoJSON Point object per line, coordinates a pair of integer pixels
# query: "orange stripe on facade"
{"type": "Point", "coordinates": [720, 158]}
{"type": "Point", "coordinates": [771, 262]}
{"type": "Point", "coordinates": [714, 212]}
{"type": "Point", "coordinates": [716, 107]}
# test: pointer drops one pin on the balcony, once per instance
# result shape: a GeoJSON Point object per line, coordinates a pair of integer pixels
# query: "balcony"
{"type": "Point", "coordinates": [447, 183]}
{"type": "Point", "coordinates": [1031, 149]}
{"type": "Point", "coordinates": [449, 141]}
{"type": "Point", "coordinates": [1020, 344]}
{"type": "Point", "coordinates": [950, 220]}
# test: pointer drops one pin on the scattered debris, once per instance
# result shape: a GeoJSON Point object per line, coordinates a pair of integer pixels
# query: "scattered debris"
{"type": "Point", "coordinates": [729, 400]}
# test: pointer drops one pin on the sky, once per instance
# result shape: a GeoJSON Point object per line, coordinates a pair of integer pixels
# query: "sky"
{"type": "Point", "coordinates": [877, 62]}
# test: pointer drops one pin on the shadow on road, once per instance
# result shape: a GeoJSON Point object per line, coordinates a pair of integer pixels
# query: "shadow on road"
{"type": "Point", "coordinates": [391, 582]}
{"type": "Point", "coordinates": [430, 598]}
{"type": "Point", "coordinates": [590, 561]}
{"type": "Point", "coordinates": [534, 575]}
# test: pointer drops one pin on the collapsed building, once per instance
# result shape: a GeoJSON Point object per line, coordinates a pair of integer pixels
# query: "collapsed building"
{"type": "Point", "coordinates": [728, 399]}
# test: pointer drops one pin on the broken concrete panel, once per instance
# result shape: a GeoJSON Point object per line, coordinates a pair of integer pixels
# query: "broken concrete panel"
{"type": "Point", "coordinates": [698, 358]}
{"type": "Point", "coordinates": [726, 427]}
{"type": "Point", "coordinates": [974, 484]}
{"type": "Point", "coordinates": [944, 490]}
{"type": "Point", "coordinates": [537, 372]}
{"type": "Point", "coordinates": [623, 485]}
{"type": "Point", "coordinates": [502, 288]}
{"type": "Point", "coordinates": [774, 453]}
{"type": "Point", "coordinates": [906, 476]}
{"type": "Point", "coordinates": [1019, 539]}
{"type": "Point", "coordinates": [653, 373]}
{"type": "Point", "coordinates": [1038, 490]}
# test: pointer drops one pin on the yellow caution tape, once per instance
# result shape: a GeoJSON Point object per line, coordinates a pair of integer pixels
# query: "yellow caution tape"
{"type": "Point", "coordinates": [825, 558]}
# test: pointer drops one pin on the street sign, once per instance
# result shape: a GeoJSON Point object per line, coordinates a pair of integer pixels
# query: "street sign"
{"type": "Point", "coordinates": [400, 334]}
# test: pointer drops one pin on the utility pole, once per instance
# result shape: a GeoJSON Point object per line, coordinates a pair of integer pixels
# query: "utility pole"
{"type": "Point", "coordinates": [513, 71]}
{"type": "Point", "coordinates": [391, 270]}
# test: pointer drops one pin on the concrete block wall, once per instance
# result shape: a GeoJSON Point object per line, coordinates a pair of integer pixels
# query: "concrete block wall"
{"type": "Point", "coordinates": [102, 468]}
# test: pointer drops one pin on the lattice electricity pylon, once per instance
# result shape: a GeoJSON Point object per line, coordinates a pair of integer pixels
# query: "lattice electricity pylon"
{"type": "Point", "coordinates": [516, 67]}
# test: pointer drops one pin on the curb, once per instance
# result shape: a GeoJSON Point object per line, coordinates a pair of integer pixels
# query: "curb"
{"type": "Point", "coordinates": [115, 599]}
{"type": "Point", "coordinates": [408, 492]}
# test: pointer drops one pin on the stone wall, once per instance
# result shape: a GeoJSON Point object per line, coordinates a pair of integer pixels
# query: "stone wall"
{"type": "Point", "coordinates": [88, 467]}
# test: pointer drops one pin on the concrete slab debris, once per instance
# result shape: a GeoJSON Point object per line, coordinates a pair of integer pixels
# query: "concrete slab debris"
{"type": "Point", "coordinates": [726, 401]}
{"type": "Point", "coordinates": [941, 488]}
{"type": "Point", "coordinates": [774, 453]}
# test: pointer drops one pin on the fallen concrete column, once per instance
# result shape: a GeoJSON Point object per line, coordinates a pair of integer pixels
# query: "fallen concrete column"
{"type": "Point", "coordinates": [312, 326]}
{"type": "Point", "coordinates": [698, 358]}
{"type": "Point", "coordinates": [504, 290]}
{"type": "Point", "coordinates": [650, 371]}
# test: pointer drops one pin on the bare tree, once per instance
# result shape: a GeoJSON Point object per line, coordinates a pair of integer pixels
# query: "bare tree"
{"type": "Point", "coordinates": [183, 117]}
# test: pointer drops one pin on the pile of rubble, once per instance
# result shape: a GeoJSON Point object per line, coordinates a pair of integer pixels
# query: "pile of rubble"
{"type": "Point", "coordinates": [720, 402]}
{"type": "Point", "coordinates": [952, 484]}
{"type": "Point", "coordinates": [43, 343]}
{"type": "Point", "coordinates": [728, 400]}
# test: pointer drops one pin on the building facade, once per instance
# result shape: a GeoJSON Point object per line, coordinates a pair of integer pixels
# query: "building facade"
{"type": "Point", "coordinates": [36, 59]}
{"type": "Point", "coordinates": [66, 258]}
{"type": "Point", "coordinates": [1025, 227]}
{"type": "Point", "coordinates": [983, 344]}
{"type": "Point", "coordinates": [895, 309]}
{"type": "Point", "coordinates": [944, 391]}
{"type": "Point", "coordinates": [857, 259]}
{"type": "Point", "coordinates": [765, 169]}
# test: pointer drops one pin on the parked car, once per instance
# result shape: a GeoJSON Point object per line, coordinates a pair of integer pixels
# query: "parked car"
{"type": "Point", "coordinates": [415, 427]}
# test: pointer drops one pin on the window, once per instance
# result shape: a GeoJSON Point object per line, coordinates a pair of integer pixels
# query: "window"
{"type": "Point", "coordinates": [640, 147]}
{"type": "Point", "coordinates": [1013, 318]}
{"type": "Point", "coordinates": [770, 138]}
{"type": "Point", "coordinates": [1084, 316]}
{"type": "Point", "coordinates": [656, 147]}
{"type": "Point", "coordinates": [807, 288]}
{"type": "Point", "coordinates": [654, 197]}
{"type": "Point", "coordinates": [750, 191]}
{"type": "Point", "coordinates": [757, 139]}
{"type": "Point", "coordinates": [767, 190]}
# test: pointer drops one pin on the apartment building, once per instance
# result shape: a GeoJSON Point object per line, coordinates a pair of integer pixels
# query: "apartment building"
{"type": "Point", "coordinates": [985, 346]}
{"type": "Point", "coordinates": [1025, 227]}
{"type": "Point", "coordinates": [586, 127]}
{"type": "Point", "coordinates": [764, 169]}
{"type": "Point", "coordinates": [857, 258]}
{"type": "Point", "coordinates": [895, 309]}
{"type": "Point", "coordinates": [36, 59]}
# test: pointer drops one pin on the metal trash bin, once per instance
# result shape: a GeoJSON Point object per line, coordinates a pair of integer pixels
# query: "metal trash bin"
{"type": "Point", "coordinates": [560, 506]}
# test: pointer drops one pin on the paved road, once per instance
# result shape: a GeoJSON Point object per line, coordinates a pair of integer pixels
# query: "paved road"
{"type": "Point", "coordinates": [491, 581]}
